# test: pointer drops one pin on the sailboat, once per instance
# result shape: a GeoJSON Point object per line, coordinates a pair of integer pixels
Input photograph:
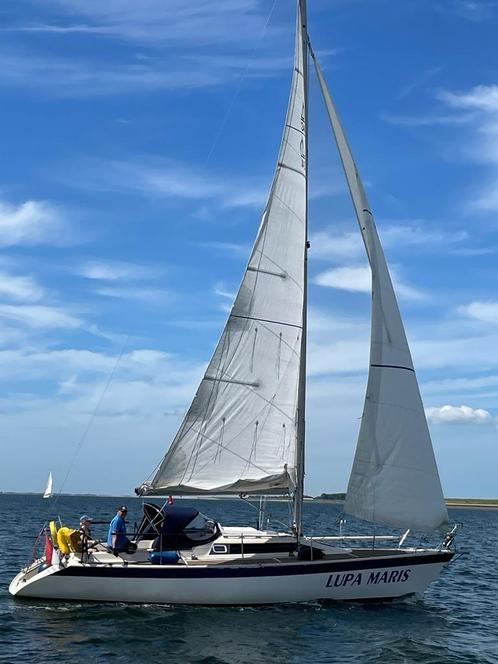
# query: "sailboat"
{"type": "Point", "coordinates": [244, 435]}
{"type": "Point", "coordinates": [49, 488]}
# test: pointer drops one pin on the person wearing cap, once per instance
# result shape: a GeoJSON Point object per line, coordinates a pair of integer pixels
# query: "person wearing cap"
{"type": "Point", "coordinates": [85, 525]}
{"type": "Point", "coordinates": [85, 534]}
{"type": "Point", "coordinates": [116, 538]}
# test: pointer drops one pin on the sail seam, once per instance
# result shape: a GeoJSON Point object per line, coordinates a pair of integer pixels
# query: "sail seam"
{"type": "Point", "coordinates": [300, 131]}
{"type": "Point", "coordinates": [392, 366]}
{"type": "Point", "coordinates": [265, 320]}
{"type": "Point", "coordinates": [288, 208]}
{"type": "Point", "coordinates": [227, 449]}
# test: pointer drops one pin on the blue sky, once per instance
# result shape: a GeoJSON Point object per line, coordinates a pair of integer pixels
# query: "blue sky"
{"type": "Point", "coordinates": [138, 144]}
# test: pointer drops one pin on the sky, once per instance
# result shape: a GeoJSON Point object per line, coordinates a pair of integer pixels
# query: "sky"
{"type": "Point", "coordinates": [138, 145]}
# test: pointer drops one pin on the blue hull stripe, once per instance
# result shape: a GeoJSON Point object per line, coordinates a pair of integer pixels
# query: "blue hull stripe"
{"type": "Point", "coordinates": [242, 571]}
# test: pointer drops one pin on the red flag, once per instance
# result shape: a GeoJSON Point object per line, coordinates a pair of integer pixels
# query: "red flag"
{"type": "Point", "coordinates": [49, 549]}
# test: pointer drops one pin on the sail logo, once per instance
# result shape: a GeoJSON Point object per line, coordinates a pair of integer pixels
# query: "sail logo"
{"type": "Point", "coordinates": [351, 579]}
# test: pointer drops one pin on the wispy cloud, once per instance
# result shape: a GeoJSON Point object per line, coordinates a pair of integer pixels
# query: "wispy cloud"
{"type": "Point", "coordinates": [357, 278]}
{"type": "Point", "coordinates": [486, 312]}
{"type": "Point", "coordinates": [430, 120]}
{"type": "Point", "coordinates": [419, 81]}
{"type": "Point", "coordinates": [475, 10]}
{"type": "Point", "coordinates": [477, 109]}
{"type": "Point", "coordinates": [183, 45]}
{"type": "Point", "coordinates": [115, 270]}
{"type": "Point", "coordinates": [154, 23]}
{"type": "Point", "coordinates": [399, 235]}
{"type": "Point", "coordinates": [228, 248]}
{"type": "Point", "coordinates": [221, 290]}
{"type": "Point", "coordinates": [458, 415]}
{"type": "Point", "coordinates": [31, 223]}
{"type": "Point", "coordinates": [39, 316]}
{"type": "Point", "coordinates": [20, 288]}
{"type": "Point", "coordinates": [152, 296]}
{"type": "Point", "coordinates": [169, 179]}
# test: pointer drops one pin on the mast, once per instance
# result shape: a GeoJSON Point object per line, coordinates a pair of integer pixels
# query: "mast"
{"type": "Point", "coordinates": [301, 403]}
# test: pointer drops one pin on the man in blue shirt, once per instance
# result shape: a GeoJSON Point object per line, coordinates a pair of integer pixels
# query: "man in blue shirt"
{"type": "Point", "coordinates": [116, 538]}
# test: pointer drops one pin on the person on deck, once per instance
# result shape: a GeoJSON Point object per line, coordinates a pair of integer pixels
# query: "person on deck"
{"type": "Point", "coordinates": [86, 540]}
{"type": "Point", "coordinates": [116, 538]}
{"type": "Point", "coordinates": [86, 525]}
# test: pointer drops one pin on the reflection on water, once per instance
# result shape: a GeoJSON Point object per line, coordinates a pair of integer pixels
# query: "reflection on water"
{"type": "Point", "coordinates": [455, 621]}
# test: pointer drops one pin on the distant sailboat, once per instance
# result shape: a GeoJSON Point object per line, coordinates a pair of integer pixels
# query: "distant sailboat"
{"type": "Point", "coordinates": [49, 492]}
{"type": "Point", "coordinates": [244, 433]}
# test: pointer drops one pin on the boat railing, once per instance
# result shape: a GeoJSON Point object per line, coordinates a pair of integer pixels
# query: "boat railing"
{"type": "Point", "coordinates": [365, 538]}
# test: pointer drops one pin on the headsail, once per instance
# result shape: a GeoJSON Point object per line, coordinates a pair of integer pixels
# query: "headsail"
{"type": "Point", "coordinates": [239, 434]}
{"type": "Point", "coordinates": [49, 488]}
{"type": "Point", "coordinates": [394, 479]}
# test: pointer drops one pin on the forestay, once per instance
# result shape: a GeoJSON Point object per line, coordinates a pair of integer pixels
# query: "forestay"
{"type": "Point", "coordinates": [239, 434]}
{"type": "Point", "coordinates": [394, 479]}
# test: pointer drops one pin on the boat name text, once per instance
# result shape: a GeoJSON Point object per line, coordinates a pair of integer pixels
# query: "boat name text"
{"type": "Point", "coordinates": [368, 578]}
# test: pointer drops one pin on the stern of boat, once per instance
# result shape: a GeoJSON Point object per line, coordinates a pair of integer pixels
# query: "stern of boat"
{"type": "Point", "coordinates": [23, 584]}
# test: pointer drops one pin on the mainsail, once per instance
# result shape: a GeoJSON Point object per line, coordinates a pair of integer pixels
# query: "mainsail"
{"type": "Point", "coordinates": [240, 432]}
{"type": "Point", "coordinates": [49, 489]}
{"type": "Point", "coordinates": [394, 479]}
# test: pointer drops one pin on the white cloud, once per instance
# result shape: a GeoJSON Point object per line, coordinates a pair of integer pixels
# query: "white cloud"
{"type": "Point", "coordinates": [357, 278]}
{"type": "Point", "coordinates": [480, 97]}
{"type": "Point", "coordinates": [24, 289]}
{"type": "Point", "coordinates": [486, 312]}
{"type": "Point", "coordinates": [30, 223]}
{"type": "Point", "coordinates": [458, 415]}
{"type": "Point", "coordinates": [399, 235]}
{"type": "Point", "coordinates": [426, 120]}
{"type": "Point", "coordinates": [481, 146]}
{"type": "Point", "coordinates": [477, 108]}
{"type": "Point", "coordinates": [140, 294]}
{"type": "Point", "coordinates": [229, 248]}
{"type": "Point", "coordinates": [169, 179]}
{"type": "Point", "coordinates": [143, 364]}
{"type": "Point", "coordinates": [476, 10]}
{"type": "Point", "coordinates": [223, 291]}
{"type": "Point", "coordinates": [152, 22]}
{"type": "Point", "coordinates": [331, 246]}
{"type": "Point", "coordinates": [39, 316]}
{"type": "Point", "coordinates": [115, 270]}
{"type": "Point", "coordinates": [75, 78]}
{"type": "Point", "coordinates": [184, 45]}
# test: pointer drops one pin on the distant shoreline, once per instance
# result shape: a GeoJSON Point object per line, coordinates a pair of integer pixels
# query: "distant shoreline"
{"type": "Point", "coordinates": [450, 502]}
{"type": "Point", "coordinates": [481, 503]}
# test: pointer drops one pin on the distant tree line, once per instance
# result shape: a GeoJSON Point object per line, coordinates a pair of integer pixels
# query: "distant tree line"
{"type": "Point", "coordinates": [331, 496]}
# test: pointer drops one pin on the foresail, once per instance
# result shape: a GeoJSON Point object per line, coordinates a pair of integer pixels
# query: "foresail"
{"type": "Point", "coordinates": [49, 487]}
{"type": "Point", "coordinates": [239, 434]}
{"type": "Point", "coordinates": [394, 479]}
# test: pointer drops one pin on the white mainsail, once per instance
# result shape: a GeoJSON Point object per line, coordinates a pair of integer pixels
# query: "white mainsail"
{"type": "Point", "coordinates": [240, 432]}
{"type": "Point", "coordinates": [49, 489]}
{"type": "Point", "coordinates": [394, 479]}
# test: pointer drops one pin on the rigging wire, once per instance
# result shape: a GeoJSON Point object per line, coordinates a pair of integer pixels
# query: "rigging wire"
{"type": "Point", "coordinates": [86, 431]}
{"type": "Point", "coordinates": [242, 78]}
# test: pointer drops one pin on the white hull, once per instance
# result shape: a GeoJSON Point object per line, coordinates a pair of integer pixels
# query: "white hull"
{"type": "Point", "coordinates": [376, 578]}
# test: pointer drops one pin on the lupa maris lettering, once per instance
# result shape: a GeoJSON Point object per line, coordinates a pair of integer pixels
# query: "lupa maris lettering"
{"type": "Point", "coordinates": [350, 579]}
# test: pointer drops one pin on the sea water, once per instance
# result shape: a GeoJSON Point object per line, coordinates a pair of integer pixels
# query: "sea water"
{"type": "Point", "coordinates": [455, 622]}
